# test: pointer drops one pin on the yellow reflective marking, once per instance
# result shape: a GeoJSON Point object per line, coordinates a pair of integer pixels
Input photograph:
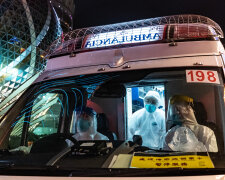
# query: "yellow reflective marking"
{"type": "Point", "coordinates": [188, 161]}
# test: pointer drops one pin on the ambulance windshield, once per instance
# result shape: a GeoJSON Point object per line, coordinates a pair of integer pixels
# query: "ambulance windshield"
{"type": "Point", "coordinates": [88, 120]}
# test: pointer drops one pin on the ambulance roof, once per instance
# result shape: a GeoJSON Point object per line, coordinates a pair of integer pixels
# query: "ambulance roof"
{"type": "Point", "coordinates": [167, 28]}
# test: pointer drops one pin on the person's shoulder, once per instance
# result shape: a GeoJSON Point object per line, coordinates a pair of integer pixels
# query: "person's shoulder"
{"type": "Point", "coordinates": [138, 112]}
{"type": "Point", "coordinates": [206, 129]}
{"type": "Point", "coordinates": [160, 112]}
{"type": "Point", "coordinates": [99, 136]}
{"type": "Point", "coordinates": [76, 135]}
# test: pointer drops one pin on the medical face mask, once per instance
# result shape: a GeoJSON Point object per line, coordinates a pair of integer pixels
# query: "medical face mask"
{"type": "Point", "coordinates": [150, 108]}
{"type": "Point", "coordinates": [83, 125]}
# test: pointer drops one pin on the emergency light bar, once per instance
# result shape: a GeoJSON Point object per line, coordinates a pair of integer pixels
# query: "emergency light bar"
{"type": "Point", "coordinates": [161, 29]}
{"type": "Point", "coordinates": [128, 36]}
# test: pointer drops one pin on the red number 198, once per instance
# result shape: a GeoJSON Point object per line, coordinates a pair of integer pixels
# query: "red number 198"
{"type": "Point", "coordinates": [200, 75]}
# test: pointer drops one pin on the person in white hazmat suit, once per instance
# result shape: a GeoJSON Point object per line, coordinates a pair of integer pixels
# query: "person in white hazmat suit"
{"type": "Point", "coordinates": [187, 135]}
{"type": "Point", "coordinates": [87, 125]}
{"type": "Point", "coordinates": [149, 122]}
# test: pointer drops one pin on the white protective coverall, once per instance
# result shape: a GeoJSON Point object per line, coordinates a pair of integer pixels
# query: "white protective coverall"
{"type": "Point", "coordinates": [150, 124]}
{"type": "Point", "coordinates": [87, 128]}
{"type": "Point", "coordinates": [187, 135]}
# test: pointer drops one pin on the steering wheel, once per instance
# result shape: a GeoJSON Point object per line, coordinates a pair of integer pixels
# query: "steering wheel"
{"type": "Point", "coordinates": [53, 143]}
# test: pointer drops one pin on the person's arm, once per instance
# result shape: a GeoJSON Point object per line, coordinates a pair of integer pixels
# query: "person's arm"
{"type": "Point", "coordinates": [163, 124]}
{"type": "Point", "coordinates": [211, 143]}
{"type": "Point", "coordinates": [24, 149]}
{"type": "Point", "coordinates": [132, 126]}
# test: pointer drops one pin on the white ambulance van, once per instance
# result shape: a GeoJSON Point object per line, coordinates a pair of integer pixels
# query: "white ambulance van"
{"type": "Point", "coordinates": [142, 99]}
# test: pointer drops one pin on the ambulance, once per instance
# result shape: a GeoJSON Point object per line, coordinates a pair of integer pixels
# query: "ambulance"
{"type": "Point", "coordinates": [141, 99]}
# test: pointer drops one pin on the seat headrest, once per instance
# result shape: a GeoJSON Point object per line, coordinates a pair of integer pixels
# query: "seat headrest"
{"type": "Point", "coordinates": [102, 121]}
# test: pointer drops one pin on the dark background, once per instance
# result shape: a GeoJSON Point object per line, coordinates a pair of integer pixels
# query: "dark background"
{"type": "Point", "coordinates": [100, 12]}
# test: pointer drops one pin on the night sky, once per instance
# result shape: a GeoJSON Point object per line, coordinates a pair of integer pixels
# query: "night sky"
{"type": "Point", "coordinates": [100, 12]}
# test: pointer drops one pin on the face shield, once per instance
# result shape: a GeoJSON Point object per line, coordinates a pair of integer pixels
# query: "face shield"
{"type": "Point", "coordinates": [180, 111]}
{"type": "Point", "coordinates": [86, 121]}
{"type": "Point", "coordinates": [151, 101]}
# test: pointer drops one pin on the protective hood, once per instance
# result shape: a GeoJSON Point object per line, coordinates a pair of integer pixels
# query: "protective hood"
{"type": "Point", "coordinates": [153, 95]}
{"type": "Point", "coordinates": [180, 113]}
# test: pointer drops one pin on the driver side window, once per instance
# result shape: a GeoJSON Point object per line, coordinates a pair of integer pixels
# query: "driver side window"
{"type": "Point", "coordinates": [39, 118]}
